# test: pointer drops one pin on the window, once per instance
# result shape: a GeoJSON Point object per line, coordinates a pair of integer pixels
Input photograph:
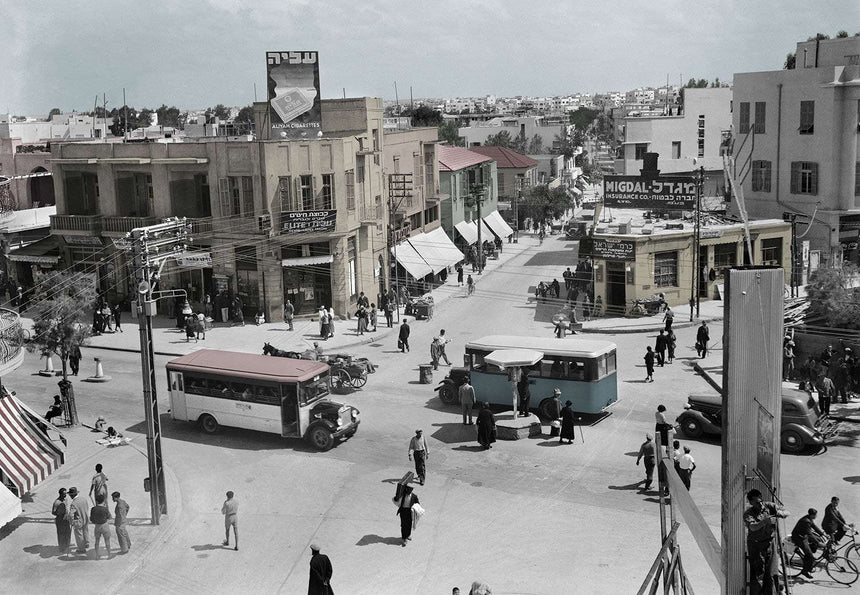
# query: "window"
{"type": "Point", "coordinates": [350, 190]}
{"type": "Point", "coordinates": [247, 196]}
{"type": "Point", "coordinates": [234, 204]}
{"type": "Point", "coordinates": [285, 193]}
{"type": "Point", "coordinates": [224, 197]}
{"type": "Point", "coordinates": [429, 180]}
{"type": "Point", "coordinates": [397, 164]}
{"type": "Point", "coordinates": [771, 251]}
{"type": "Point", "coordinates": [760, 110]}
{"type": "Point", "coordinates": [502, 185]}
{"type": "Point", "coordinates": [725, 257]}
{"type": "Point", "coordinates": [701, 151]}
{"type": "Point", "coordinates": [761, 176]}
{"type": "Point", "coordinates": [327, 191]}
{"type": "Point", "coordinates": [307, 190]}
{"type": "Point", "coordinates": [666, 269]}
{"type": "Point", "coordinates": [857, 179]}
{"type": "Point", "coordinates": [744, 118]}
{"type": "Point", "coordinates": [804, 177]}
{"type": "Point", "coordinates": [350, 255]}
{"type": "Point", "coordinates": [641, 149]}
{"type": "Point", "coordinates": [359, 169]}
{"type": "Point", "coordinates": [807, 117]}
{"type": "Point", "coordinates": [676, 149]}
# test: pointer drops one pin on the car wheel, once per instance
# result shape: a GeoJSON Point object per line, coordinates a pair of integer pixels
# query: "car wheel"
{"type": "Point", "coordinates": [692, 428]}
{"type": "Point", "coordinates": [447, 394]}
{"type": "Point", "coordinates": [321, 438]}
{"type": "Point", "coordinates": [208, 423]}
{"type": "Point", "coordinates": [792, 441]}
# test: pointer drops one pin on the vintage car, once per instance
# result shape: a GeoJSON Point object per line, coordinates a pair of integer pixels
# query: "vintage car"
{"type": "Point", "coordinates": [802, 426]}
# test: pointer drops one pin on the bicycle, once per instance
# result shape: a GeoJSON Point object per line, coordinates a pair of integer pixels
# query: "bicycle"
{"type": "Point", "coordinates": [839, 568]}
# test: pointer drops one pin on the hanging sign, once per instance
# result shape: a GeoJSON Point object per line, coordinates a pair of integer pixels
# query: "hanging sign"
{"type": "Point", "coordinates": [645, 193]}
{"type": "Point", "coordinates": [308, 221]}
{"type": "Point", "coordinates": [194, 260]}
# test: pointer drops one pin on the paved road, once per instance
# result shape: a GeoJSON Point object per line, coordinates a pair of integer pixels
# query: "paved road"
{"type": "Point", "coordinates": [527, 517]}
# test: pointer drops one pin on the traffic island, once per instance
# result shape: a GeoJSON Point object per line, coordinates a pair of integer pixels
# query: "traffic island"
{"type": "Point", "coordinates": [516, 428]}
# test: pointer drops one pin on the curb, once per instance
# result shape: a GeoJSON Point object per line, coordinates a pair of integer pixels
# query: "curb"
{"type": "Point", "coordinates": [639, 329]}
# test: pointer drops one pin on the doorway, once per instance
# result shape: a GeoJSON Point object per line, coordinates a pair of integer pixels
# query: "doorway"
{"type": "Point", "coordinates": [616, 291]}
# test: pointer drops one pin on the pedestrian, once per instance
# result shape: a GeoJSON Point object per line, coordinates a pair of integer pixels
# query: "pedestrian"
{"type": "Point", "coordinates": [100, 515]}
{"type": "Point", "coordinates": [201, 326]}
{"type": "Point", "coordinates": [686, 466]}
{"type": "Point", "coordinates": [434, 354]}
{"type": "Point", "coordinates": [117, 316]}
{"type": "Point", "coordinates": [787, 358]}
{"type": "Point", "coordinates": [323, 316]}
{"type": "Point", "coordinates": [79, 519]}
{"type": "Point", "coordinates": [289, 312]}
{"type": "Point", "coordinates": [834, 523]}
{"type": "Point", "coordinates": [230, 510]}
{"type": "Point", "coordinates": [842, 376]}
{"type": "Point", "coordinates": [361, 314]}
{"type": "Point", "coordinates": [60, 510]}
{"type": "Point", "coordinates": [190, 328]}
{"type": "Point", "coordinates": [568, 431]}
{"type": "Point", "coordinates": [460, 274]}
{"type": "Point", "coordinates": [99, 484]}
{"type": "Point", "coordinates": [760, 520]}
{"type": "Point", "coordinates": [75, 358]}
{"type": "Point", "coordinates": [238, 313]}
{"type": "Point", "coordinates": [418, 450]}
{"type": "Point", "coordinates": [362, 300]}
{"type": "Point", "coordinates": [404, 509]}
{"type": "Point", "coordinates": [403, 337]}
{"type": "Point", "coordinates": [120, 514]}
{"type": "Point", "coordinates": [467, 400]}
{"type": "Point", "coordinates": [649, 364]}
{"type": "Point", "coordinates": [374, 313]}
{"type": "Point", "coordinates": [825, 393]}
{"type": "Point", "coordinates": [207, 306]}
{"type": "Point", "coordinates": [661, 427]}
{"type": "Point", "coordinates": [486, 426]}
{"type": "Point", "coordinates": [647, 452]}
{"type": "Point", "coordinates": [702, 338]}
{"type": "Point", "coordinates": [660, 348]}
{"type": "Point", "coordinates": [470, 285]}
{"type": "Point", "coordinates": [524, 392]}
{"type": "Point", "coordinates": [389, 313]}
{"type": "Point", "coordinates": [567, 275]}
{"type": "Point", "coordinates": [319, 582]}
{"type": "Point", "coordinates": [330, 312]}
{"type": "Point", "coordinates": [441, 341]}
{"type": "Point", "coordinates": [676, 456]}
{"type": "Point", "coordinates": [671, 342]}
{"type": "Point", "coordinates": [806, 535]}
{"type": "Point", "coordinates": [668, 318]}
{"type": "Point", "coordinates": [318, 352]}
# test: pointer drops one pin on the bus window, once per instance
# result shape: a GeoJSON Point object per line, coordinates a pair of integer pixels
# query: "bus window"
{"type": "Point", "coordinates": [601, 367]}
{"type": "Point", "coordinates": [267, 395]}
{"type": "Point", "coordinates": [195, 385]}
{"type": "Point", "coordinates": [241, 391]}
{"type": "Point", "coordinates": [610, 362]}
{"type": "Point", "coordinates": [220, 389]}
{"type": "Point", "coordinates": [577, 370]}
{"type": "Point", "coordinates": [552, 369]}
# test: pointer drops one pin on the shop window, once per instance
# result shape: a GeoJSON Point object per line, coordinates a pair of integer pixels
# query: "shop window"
{"type": "Point", "coordinates": [760, 112]}
{"type": "Point", "coordinates": [327, 194]}
{"type": "Point", "coordinates": [744, 117]}
{"type": "Point", "coordinates": [666, 269]}
{"type": "Point", "coordinates": [761, 174]}
{"type": "Point", "coordinates": [804, 177]}
{"type": "Point", "coordinates": [807, 117]}
{"type": "Point", "coordinates": [771, 251]}
{"type": "Point", "coordinates": [725, 257]}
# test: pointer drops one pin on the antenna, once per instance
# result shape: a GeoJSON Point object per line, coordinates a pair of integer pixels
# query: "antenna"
{"type": "Point", "coordinates": [255, 92]}
{"type": "Point", "coordinates": [411, 101]}
{"type": "Point", "coordinates": [396, 98]}
{"type": "Point", "coordinates": [125, 117]}
{"type": "Point", "coordinates": [344, 92]}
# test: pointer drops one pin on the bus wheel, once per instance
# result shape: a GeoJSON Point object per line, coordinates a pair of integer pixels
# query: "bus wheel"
{"type": "Point", "coordinates": [321, 438]}
{"type": "Point", "coordinates": [547, 409]}
{"type": "Point", "coordinates": [208, 423]}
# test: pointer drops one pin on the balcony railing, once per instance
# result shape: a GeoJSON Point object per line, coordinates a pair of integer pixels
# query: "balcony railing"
{"type": "Point", "coordinates": [122, 225]}
{"type": "Point", "coordinates": [11, 341]}
{"type": "Point", "coordinates": [200, 225]}
{"type": "Point", "coordinates": [88, 224]}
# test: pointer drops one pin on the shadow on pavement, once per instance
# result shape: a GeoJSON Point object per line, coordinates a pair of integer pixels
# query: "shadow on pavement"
{"type": "Point", "coordinates": [630, 486]}
{"type": "Point", "coordinates": [209, 546]}
{"type": "Point", "coordinates": [852, 479]}
{"type": "Point", "coordinates": [552, 442]}
{"type": "Point", "coordinates": [452, 433]}
{"type": "Point", "coordinates": [474, 448]}
{"type": "Point", "coordinates": [374, 539]}
{"type": "Point", "coordinates": [44, 551]}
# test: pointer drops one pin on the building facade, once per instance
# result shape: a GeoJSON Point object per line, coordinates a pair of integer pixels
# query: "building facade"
{"type": "Point", "coordinates": [797, 131]}
{"type": "Point", "coordinates": [463, 176]}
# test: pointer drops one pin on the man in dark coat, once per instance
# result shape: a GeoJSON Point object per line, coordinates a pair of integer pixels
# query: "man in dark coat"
{"type": "Point", "coordinates": [403, 337]}
{"type": "Point", "coordinates": [404, 510]}
{"type": "Point", "coordinates": [567, 429]}
{"type": "Point", "coordinates": [319, 582]}
{"type": "Point", "coordinates": [660, 347]}
{"type": "Point", "coordinates": [486, 426]}
{"type": "Point", "coordinates": [702, 338]}
{"type": "Point", "coordinates": [524, 392]}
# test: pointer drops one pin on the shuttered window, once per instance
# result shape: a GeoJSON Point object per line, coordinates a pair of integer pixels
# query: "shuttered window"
{"type": "Point", "coordinates": [761, 174]}
{"type": "Point", "coordinates": [804, 177]}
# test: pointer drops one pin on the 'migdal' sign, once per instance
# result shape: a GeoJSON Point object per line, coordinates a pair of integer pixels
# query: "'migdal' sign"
{"type": "Point", "coordinates": [655, 193]}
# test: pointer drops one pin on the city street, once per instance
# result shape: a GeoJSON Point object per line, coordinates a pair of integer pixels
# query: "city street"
{"type": "Point", "coordinates": [529, 516]}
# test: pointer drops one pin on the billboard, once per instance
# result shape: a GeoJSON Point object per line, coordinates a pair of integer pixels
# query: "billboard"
{"type": "Point", "coordinates": [293, 79]}
{"type": "Point", "coordinates": [613, 249]}
{"type": "Point", "coordinates": [649, 193]}
{"type": "Point", "coordinates": [308, 221]}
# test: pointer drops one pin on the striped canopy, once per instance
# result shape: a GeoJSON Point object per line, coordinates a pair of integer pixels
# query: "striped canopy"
{"type": "Point", "coordinates": [27, 455]}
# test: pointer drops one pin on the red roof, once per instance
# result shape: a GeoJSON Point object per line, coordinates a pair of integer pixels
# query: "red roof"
{"type": "Point", "coordinates": [505, 157]}
{"type": "Point", "coordinates": [457, 158]}
{"type": "Point", "coordinates": [248, 365]}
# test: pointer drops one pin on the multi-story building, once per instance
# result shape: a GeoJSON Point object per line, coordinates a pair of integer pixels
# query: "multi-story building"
{"type": "Point", "coordinates": [60, 127]}
{"type": "Point", "coordinates": [549, 130]}
{"type": "Point", "coordinates": [796, 143]}
{"type": "Point", "coordinates": [272, 220]}
{"type": "Point", "coordinates": [513, 171]}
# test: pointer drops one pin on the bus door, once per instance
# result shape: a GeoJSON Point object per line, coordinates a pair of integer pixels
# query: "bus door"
{"type": "Point", "coordinates": [178, 408]}
{"type": "Point", "coordinates": [289, 411]}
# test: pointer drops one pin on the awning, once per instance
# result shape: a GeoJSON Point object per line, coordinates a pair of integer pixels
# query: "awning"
{"type": "Point", "coordinates": [410, 260]}
{"type": "Point", "coordinates": [499, 226]}
{"type": "Point", "coordinates": [467, 231]}
{"type": "Point", "coordinates": [10, 506]}
{"type": "Point", "coordinates": [437, 249]}
{"type": "Point", "coordinates": [27, 454]}
{"type": "Point", "coordinates": [44, 251]}
{"type": "Point", "coordinates": [304, 261]}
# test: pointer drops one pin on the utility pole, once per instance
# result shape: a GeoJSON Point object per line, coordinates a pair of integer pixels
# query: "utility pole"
{"type": "Point", "coordinates": [152, 246]}
{"type": "Point", "coordinates": [700, 188]}
{"type": "Point", "coordinates": [399, 189]}
{"type": "Point", "coordinates": [477, 191]}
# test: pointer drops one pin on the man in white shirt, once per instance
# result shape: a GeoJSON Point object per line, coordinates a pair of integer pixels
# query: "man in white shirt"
{"type": "Point", "coordinates": [686, 465]}
{"type": "Point", "coordinates": [418, 447]}
{"type": "Point", "coordinates": [441, 341]}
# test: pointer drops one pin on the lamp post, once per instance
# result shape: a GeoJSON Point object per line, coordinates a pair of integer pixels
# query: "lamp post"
{"type": "Point", "coordinates": [477, 193]}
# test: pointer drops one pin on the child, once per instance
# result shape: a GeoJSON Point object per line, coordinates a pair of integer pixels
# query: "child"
{"type": "Point", "coordinates": [260, 318]}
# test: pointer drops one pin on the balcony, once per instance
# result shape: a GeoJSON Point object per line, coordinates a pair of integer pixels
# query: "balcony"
{"type": "Point", "coordinates": [117, 227]}
{"type": "Point", "coordinates": [200, 225]}
{"type": "Point", "coordinates": [81, 225]}
{"type": "Point", "coordinates": [11, 341]}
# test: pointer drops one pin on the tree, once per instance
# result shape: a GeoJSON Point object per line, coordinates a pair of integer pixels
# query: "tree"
{"type": "Point", "coordinates": [842, 34]}
{"type": "Point", "coordinates": [535, 145]}
{"type": "Point", "coordinates": [450, 133]}
{"type": "Point", "coordinates": [144, 118]}
{"type": "Point", "coordinates": [220, 111]}
{"type": "Point", "coordinates": [790, 61]}
{"type": "Point", "coordinates": [424, 116]}
{"type": "Point", "coordinates": [521, 142]}
{"type": "Point", "coordinates": [833, 296]}
{"type": "Point", "coordinates": [120, 125]}
{"type": "Point", "coordinates": [55, 111]}
{"type": "Point", "coordinates": [59, 322]}
{"type": "Point", "coordinates": [246, 115]}
{"type": "Point", "coordinates": [818, 37]}
{"type": "Point", "coordinates": [543, 203]}
{"type": "Point", "coordinates": [583, 117]}
{"type": "Point", "coordinates": [168, 116]}
{"type": "Point", "coordinates": [500, 139]}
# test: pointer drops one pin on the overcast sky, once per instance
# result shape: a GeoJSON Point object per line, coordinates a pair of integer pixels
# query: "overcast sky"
{"type": "Point", "coordinates": [197, 53]}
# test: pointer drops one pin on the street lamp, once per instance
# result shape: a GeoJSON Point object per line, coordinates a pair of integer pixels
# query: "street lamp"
{"type": "Point", "coordinates": [476, 191]}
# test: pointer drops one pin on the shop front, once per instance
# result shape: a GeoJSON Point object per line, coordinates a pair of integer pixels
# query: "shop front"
{"type": "Point", "coordinates": [307, 276]}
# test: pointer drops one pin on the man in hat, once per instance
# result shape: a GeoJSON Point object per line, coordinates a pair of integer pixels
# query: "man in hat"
{"type": "Point", "coordinates": [319, 582]}
{"type": "Point", "coordinates": [79, 517]}
{"type": "Point", "coordinates": [60, 511]}
{"type": "Point", "coordinates": [646, 451]}
{"type": "Point", "coordinates": [418, 449]}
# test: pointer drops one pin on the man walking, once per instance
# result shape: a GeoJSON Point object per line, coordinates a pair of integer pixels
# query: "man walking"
{"type": "Point", "coordinates": [319, 582]}
{"type": "Point", "coordinates": [649, 364]}
{"type": "Point", "coordinates": [389, 313]}
{"type": "Point", "coordinates": [441, 341]}
{"type": "Point", "coordinates": [230, 510]}
{"type": "Point", "coordinates": [289, 312]}
{"type": "Point", "coordinates": [760, 519]}
{"type": "Point", "coordinates": [826, 391]}
{"type": "Point", "coordinates": [79, 517]}
{"type": "Point", "coordinates": [60, 511]}
{"type": "Point", "coordinates": [403, 337]}
{"type": "Point", "coordinates": [646, 451]}
{"type": "Point", "coordinates": [660, 348]}
{"type": "Point", "coordinates": [99, 484]}
{"type": "Point", "coordinates": [686, 465]}
{"type": "Point", "coordinates": [702, 338]}
{"type": "Point", "coordinates": [668, 318]}
{"type": "Point", "coordinates": [467, 400]}
{"type": "Point", "coordinates": [418, 449]}
{"type": "Point", "coordinates": [120, 515]}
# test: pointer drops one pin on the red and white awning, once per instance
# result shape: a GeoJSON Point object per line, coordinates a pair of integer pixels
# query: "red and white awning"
{"type": "Point", "coordinates": [27, 455]}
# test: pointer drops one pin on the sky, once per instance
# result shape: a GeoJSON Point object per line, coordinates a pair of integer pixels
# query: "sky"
{"type": "Point", "coordinates": [198, 53]}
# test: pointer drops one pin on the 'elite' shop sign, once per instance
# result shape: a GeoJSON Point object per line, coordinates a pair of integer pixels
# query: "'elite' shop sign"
{"type": "Point", "coordinates": [309, 221]}
{"type": "Point", "coordinates": [614, 249]}
{"type": "Point", "coordinates": [643, 193]}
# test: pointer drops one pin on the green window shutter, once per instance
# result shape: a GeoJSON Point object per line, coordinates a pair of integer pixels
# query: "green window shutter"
{"type": "Point", "coordinates": [795, 176]}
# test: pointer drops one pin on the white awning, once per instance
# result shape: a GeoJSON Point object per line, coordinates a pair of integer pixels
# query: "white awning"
{"type": "Point", "coordinates": [486, 232]}
{"type": "Point", "coordinates": [10, 506]}
{"type": "Point", "coordinates": [499, 226]}
{"type": "Point", "coordinates": [410, 260]}
{"type": "Point", "coordinates": [437, 249]}
{"type": "Point", "coordinates": [467, 231]}
{"type": "Point", "coordinates": [304, 261]}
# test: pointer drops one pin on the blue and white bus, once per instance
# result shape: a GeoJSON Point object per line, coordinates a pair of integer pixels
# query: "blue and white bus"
{"type": "Point", "coordinates": [583, 369]}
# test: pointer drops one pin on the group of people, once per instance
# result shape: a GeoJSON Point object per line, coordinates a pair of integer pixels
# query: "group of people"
{"type": "Point", "coordinates": [195, 327]}
{"type": "Point", "coordinates": [106, 317]}
{"type": "Point", "coordinates": [682, 459]}
{"type": "Point", "coordinates": [437, 349]}
{"type": "Point", "coordinates": [831, 374]}
{"type": "Point", "coordinates": [74, 513]}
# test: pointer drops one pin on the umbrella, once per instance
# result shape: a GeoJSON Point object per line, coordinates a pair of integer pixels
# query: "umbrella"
{"type": "Point", "coordinates": [513, 358]}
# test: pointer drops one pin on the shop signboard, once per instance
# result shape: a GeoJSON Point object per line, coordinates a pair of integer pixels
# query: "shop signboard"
{"type": "Point", "coordinates": [649, 193]}
{"type": "Point", "coordinates": [293, 80]}
{"type": "Point", "coordinates": [614, 249]}
{"type": "Point", "coordinates": [194, 260]}
{"type": "Point", "coordinates": [308, 221]}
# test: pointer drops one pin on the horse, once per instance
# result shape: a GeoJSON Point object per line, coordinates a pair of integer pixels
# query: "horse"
{"type": "Point", "coordinates": [269, 349]}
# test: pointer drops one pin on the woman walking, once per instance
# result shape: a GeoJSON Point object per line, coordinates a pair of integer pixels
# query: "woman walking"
{"type": "Point", "coordinates": [568, 431]}
{"type": "Point", "coordinates": [661, 427]}
{"type": "Point", "coordinates": [486, 426]}
{"type": "Point", "coordinates": [404, 510]}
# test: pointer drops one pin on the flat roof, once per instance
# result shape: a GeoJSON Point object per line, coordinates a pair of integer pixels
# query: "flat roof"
{"type": "Point", "coordinates": [248, 365]}
{"type": "Point", "coordinates": [548, 345]}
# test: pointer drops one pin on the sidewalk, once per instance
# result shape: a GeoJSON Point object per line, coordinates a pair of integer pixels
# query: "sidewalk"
{"type": "Point", "coordinates": [710, 310]}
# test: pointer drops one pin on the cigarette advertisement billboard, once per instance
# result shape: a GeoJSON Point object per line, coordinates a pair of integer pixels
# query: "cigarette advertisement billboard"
{"type": "Point", "coordinates": [643, 193]}
{"type": "Point", "coordinates": [293, 79]}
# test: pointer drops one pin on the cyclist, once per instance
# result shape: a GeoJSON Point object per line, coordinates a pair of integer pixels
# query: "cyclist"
{"type": "Point", "coordinates": [470, 285]}
{"type": "Point", "coordinates": [834, 523]}
{"type": "Point", "coordinates": [760, 519]}
{"type": "Point", "coordinates": [807, 536]}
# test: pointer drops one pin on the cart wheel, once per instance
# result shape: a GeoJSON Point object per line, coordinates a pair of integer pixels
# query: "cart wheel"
{"type": "Point", "coordinates": [340, 380]}
{"type": "Point", "coordinates": [359, 381]}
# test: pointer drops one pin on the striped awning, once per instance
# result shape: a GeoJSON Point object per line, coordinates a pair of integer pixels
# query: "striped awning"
{"type": "Point", "coordinates": [27, 455]}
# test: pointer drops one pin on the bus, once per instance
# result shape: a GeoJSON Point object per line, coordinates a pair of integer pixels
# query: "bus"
{"type": "Point", "coordinates": [269, 394]}
{"type": "Point", "coordinates": [583, 369]}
